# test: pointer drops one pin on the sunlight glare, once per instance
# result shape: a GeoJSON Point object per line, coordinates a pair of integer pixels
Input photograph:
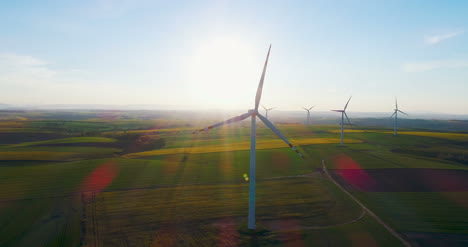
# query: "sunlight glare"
{"type": "Point", "coordinates": [223, 72]}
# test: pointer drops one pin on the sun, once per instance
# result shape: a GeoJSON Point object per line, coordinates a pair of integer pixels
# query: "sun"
{"type": "Point", "coordinates": [223, 72]}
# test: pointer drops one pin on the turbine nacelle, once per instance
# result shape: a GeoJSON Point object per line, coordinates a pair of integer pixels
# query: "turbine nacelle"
{"type": "Point", "coordinates": [395, 116]}
{"type": "Point", "coordinates": [308, 113]}
{"type": "Point", "coordinates": [310, 108]}
{"type": "Point", "coordinates": [343, 116]}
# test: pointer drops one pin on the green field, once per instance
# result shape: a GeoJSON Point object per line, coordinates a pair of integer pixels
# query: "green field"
{"type": "Point", "coordinates": [124, 182]}
{"type": "Point", "coordinates": [66, 140]}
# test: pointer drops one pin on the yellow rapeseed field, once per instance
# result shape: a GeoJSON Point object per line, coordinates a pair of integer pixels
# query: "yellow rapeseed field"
{"type": "Point", "coordinates": [237, 146]}
{"type": "Point", "coordinates": [356, 131]}
{"type": "Point", "coordinates": [11, 124]}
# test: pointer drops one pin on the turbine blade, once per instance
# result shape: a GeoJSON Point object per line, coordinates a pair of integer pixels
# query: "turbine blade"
{"type": "Point", "coordinates": [264, 107]}
{"type": "Point", "coordinates": [346, 115]}
{"type": "Point", "coordinates": [347, 103]}
{"type": "Point", "coordinates": [311, 107]}
{"type": "Point", "coordinates": [272, 108]}
{"type": "Point", "coordinates": [277, 132]}
{"type": "Point", "coordinates": [305, 108]}
{"type": "Point", "coordinates": [396, 103]}
{"type": "Point", "coordinates": [229, 121]}
{"type": "Point", "coordinates": [260, 84]}
{"type": "Point", "coordinates": [403, 112]}
{"type": "Point", "coordinates": [337, 110]}
{"type": "Point", "coordinates": [392, 115]}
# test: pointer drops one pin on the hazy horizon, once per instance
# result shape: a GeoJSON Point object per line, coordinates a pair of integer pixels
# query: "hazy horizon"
{"type": "Point", "coordinates": [277, 112]}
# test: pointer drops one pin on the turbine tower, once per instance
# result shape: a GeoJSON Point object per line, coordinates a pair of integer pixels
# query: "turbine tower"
{"type": "Point", "coordinates": [308, 114]}
{"type": "Point", "coordinates": [267, 110]}
{"type": "Point", "coordinates": [343, 114]}
{"type": "Point", "coordinates": [253, 114]}
{"type": "Point", "coordinates": [395, 113]}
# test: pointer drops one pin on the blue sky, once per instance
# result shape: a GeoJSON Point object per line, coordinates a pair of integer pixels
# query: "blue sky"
{"type": "Point", "coordinates": [209, 54]}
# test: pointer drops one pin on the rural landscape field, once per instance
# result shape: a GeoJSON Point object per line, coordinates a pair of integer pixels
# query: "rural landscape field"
{"type": "Point", "coordinates": [116, 179]}
{"type": "Point", "coordinates": [226, 123]}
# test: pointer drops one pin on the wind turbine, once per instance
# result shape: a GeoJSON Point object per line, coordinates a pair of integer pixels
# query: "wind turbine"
{"type": "Point", "coordinates": [253, 114]}
{"type": "Point", "coordinates": [395, 113]}
{"type": "Point", "coordinates": [267, 110]}
{"type": "Point", "coordinates": [308, 114]}
{"type": "Point", "coordinates": [343, 114]}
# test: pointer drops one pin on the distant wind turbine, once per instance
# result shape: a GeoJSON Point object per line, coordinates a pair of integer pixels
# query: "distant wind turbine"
{"type": "Point", "coordinates": [395, 113]}
{"type": "Point", "coordinates": [308, 114]}
{"type": "Point", "coordinates": [343, 114]}
{"type": "Point", "coordinates": [253, 114]}
{"type": "Point", "coordinates": [267, 110]}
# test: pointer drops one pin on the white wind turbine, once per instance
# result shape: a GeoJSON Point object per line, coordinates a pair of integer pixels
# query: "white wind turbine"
{"type": "Point", "coordinates": [395, 113]}
{"type": "Point", "coordinates": [343, 114]}
{"type": "Point", "coordinates": [253, 113]}
{"type": "Point", "coordinates": [308, 114]}
{"type": "Point", "coordinates": [267, 110]}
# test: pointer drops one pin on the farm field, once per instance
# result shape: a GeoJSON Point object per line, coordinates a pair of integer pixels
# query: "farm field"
{"type": "Point", "coordinates": [132, 182]}
{"type": "Point", "coordinates": [233, 123]}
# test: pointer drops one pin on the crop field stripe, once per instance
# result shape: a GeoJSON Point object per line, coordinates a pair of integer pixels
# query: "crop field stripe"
{"type": "Point", "coordinates": [450, 136]}
{"type": "Point", "coordinates": [198, 206]}
{"type": "Point", "coordinates": [148, 131]}
{"type": "Point", "coordinates": [226, 182]}
{"type": "Point", "coordinates": [393, 232]}
{"type": "Point", "coordinates": [36, 155]}
{"type": "Point", "coordinates": [442, 135]}
{"type": "Point", "coordinates": [360, 131]}
{"type": "Point", "coordinates": [237, 146]}
{"type": "Point", "coordinates": [66, 140]}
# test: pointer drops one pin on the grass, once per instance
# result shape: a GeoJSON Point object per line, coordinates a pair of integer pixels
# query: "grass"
{"type": "Point", "coordinates": [54, 154]}
{"type": "Point", "coordinates": [23, 130]}
{"type": "Point", "coordinates": [193, 189]}
{"type": "Point", "coordinates": [67, 140]}
{"type": "Point", "coordinates": [66, 177]}
{"type": "Point", "coordinates": [440, 135]}
{"type": "Point", "coordinates": [41, 222]}
{"type": "Point", "coordinates": [309, 203]}
{"type": "Point", "coordinates": [447, 136]}
{"type": "Point", "coordinates": [376, 151]}
{"type": "Point", "coordinates": [421, 211]}
{"type": "Point", "coordinates": [387, 159]}
{"type": "Point", "coordinates": [366, 232]}
{"type": "Point", "coordinates": [37, 155]}
{"type": "Point", "coordinates": [80, 150]}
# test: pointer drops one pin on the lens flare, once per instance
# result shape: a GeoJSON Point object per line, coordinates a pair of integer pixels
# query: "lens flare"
{"type": "Point", "coordinates": [353, 174]}
{"type": "Point", "coordinates": [100, 178]}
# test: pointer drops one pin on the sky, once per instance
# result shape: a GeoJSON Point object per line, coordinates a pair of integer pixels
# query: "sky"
{"type": "Point", "coordinates": [209, 54]}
